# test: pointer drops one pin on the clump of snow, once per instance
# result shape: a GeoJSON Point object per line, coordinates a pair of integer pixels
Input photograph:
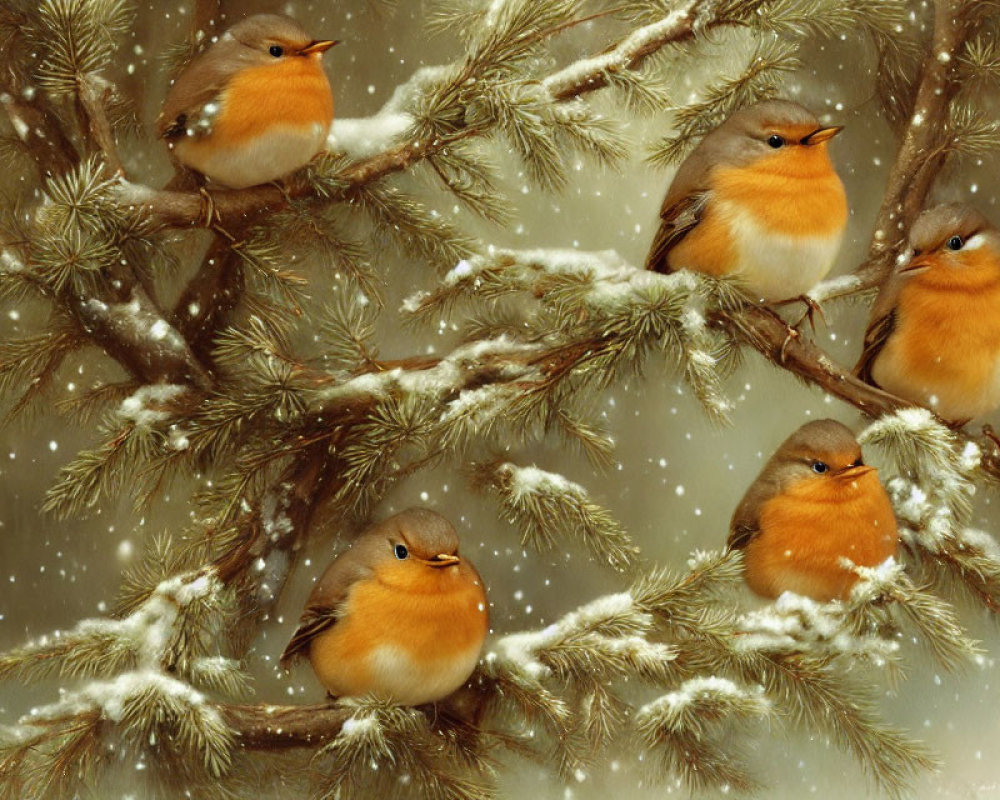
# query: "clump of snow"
{"type": "Point", "coordinates": [613, 281]}
{"type": "Point", "coordinates": [435, 382]}
{"type": "Point", "coordinates": [359, 726]}
{"type": "Point", "coordinates": [835, 287]}
{"type": "Point", "coordinates": [618, 57]}
{"type": "Point", "coordinates": [794, 623]}
{"type": "Point", "coordinates": [874, 581]}
{"type": "Point", "coordinates": [360, 138]}
{"type": "Point", "coordinates": [9, 262]}
{"type": "Point", "coordinates": [905, 420]}
{"type": "Point", "coordinates": [478, 406]}
{"type": "Point", "coordinates": [413, 303]}
{"type": "Point", "coordinates": [112, 698]}
{"type": "Point", "coordinates": [273, 508]}
{"type": "Point", "coordinates": [696, 689]}
{"type": "Point", "coordinates": [532, 480]}
{"type": "Point", "coordinates": [144, 407]}
{"type": "Point", "coordinates": [522, 653]}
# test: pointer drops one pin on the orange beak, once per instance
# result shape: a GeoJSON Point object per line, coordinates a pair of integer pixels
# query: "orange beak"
{"type": "Point", "coordinates": [319, 46]}
{"type": "Point", "coordinates": [444, 560]}
{"type": "Point", "coordinates": [822, 134]}
{"type": "Point", "coordinates": [917, 264]}
{"type": "Point", "coordinates": [853, 473]}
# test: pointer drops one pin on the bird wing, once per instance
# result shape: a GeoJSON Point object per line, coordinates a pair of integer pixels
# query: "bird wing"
{"type": "Point", "coordinates": [881, 324]}
{"type": "Point", "coordinates": [314, 620]}
{"type": "Point", "coordinates": [745, 524]}
{"type": "Point", "coordinates": [199, 84]}
{"type": "Point", "coordinates": [325, 606]}
{"type": "Point", "coordinates": [677, 218]}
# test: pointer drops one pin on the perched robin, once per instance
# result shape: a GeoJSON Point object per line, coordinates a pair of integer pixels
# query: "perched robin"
{"type": "Point", "coordinates": [399, 614]}
{"type": "Point", "coordinates": [253, 107]}
{"type": "Point", "coordinates": [934, 333]}
{"type": "Point", "coordinates": [758, 199]}
{"type": "Point", "coordinates": [815, 503]}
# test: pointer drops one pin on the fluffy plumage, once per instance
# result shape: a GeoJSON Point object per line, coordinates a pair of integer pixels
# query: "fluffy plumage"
{"type": "Point", "coordinates": [933, 336]}
{"type": "Point", "coordinates": [242, 115]}
{"type": "Point", "coordinates": [407, 625]}
{"type": "Point", "coordinates": [814, 503]}
{"type": "Point", "coordinates": [772, 216]}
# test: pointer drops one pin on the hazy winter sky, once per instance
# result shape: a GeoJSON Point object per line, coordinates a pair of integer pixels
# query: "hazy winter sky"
{"type": "Point", "coordinates": [677, 479]}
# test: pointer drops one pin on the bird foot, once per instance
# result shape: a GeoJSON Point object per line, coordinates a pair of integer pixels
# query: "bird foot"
{"type": "Point", "coordinates": [210, 216]}
{"type": "Point", "coordinates": [793, 334]}
{"type": "Point", "coordinates": [812, 309]}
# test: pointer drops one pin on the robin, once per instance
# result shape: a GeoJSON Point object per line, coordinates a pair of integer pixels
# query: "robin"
{"type": "Point", "coordinates": [934, 334]}
{"type": "Point", "coordinates": [253, 107]}
{"type": "Point", "coordinates": [758, 199]}
{"type": "Point", "coordinates": [814, 504]}
{"type": "Point", "coordinates": [400, 614]}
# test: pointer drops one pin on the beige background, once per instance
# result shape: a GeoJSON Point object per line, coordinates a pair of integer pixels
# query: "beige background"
{"type": "Point", "coordinates": [677, 477]}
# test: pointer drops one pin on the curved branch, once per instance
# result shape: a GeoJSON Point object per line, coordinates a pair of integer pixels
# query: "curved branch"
{"type": "Point", "coordinates": [265, 727]}
{"type": "Point", "coordinates": [769, 335]}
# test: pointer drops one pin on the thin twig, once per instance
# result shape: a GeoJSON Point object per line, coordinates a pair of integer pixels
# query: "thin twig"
{"type": "Point", "coordinates": [94, 93]}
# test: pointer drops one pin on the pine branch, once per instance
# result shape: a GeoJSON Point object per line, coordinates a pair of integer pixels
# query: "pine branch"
{"type": "Point", "coordinates": [36, 123]}
{"type": "Point", "coordinates": [546, 506]}
{"type": "Point", "coordinates": [684, 727]}
{"type": "Point", "coordinates": [184, 209]}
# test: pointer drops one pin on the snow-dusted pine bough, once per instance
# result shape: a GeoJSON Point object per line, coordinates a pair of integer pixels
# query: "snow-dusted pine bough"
{"type": "Point", "coordinates": [670, 667]}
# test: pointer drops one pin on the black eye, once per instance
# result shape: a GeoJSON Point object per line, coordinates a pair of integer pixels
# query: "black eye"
{"type": "Point", "coordinates": [775, 141]}
{"type": "Point", "coordinates": [858, 462]}
{"type": "Point", "coordinates": [400, 551]}
{"type": "Point", "coordinates": [955, 243]}
{"type": "Point", "coordinates": [277, 51]}
{"type": "Point", "coordinates": [819, 467]}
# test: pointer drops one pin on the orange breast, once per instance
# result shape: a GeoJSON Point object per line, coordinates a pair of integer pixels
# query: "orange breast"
{"type": "Point", "coordinates": [792, 193]}
{"type": "Point", "coordinates": [431, 615]}
{"type": "Point", "coordinates": [806, 530]}
{"type": "Point", "coordinates": [292, 92]}
{"type": "Point", "coordinates": [795, 192]}
{"type": "Point", "coordinates": [708, 248]}
{"type": "Point", "coordinates": [948, 336]}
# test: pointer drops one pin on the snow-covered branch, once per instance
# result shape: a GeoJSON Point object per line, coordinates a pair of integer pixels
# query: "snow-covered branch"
{"type": "Point", "coordinates": [385, 143]}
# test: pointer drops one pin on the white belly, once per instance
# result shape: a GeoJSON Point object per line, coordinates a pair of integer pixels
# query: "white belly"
{"type": "Point", "coordinates": [267, 158]}
{"type": "Point", "coordinates": [397, 677]}
{"type": "Point", "coordinates": [779, 267]}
